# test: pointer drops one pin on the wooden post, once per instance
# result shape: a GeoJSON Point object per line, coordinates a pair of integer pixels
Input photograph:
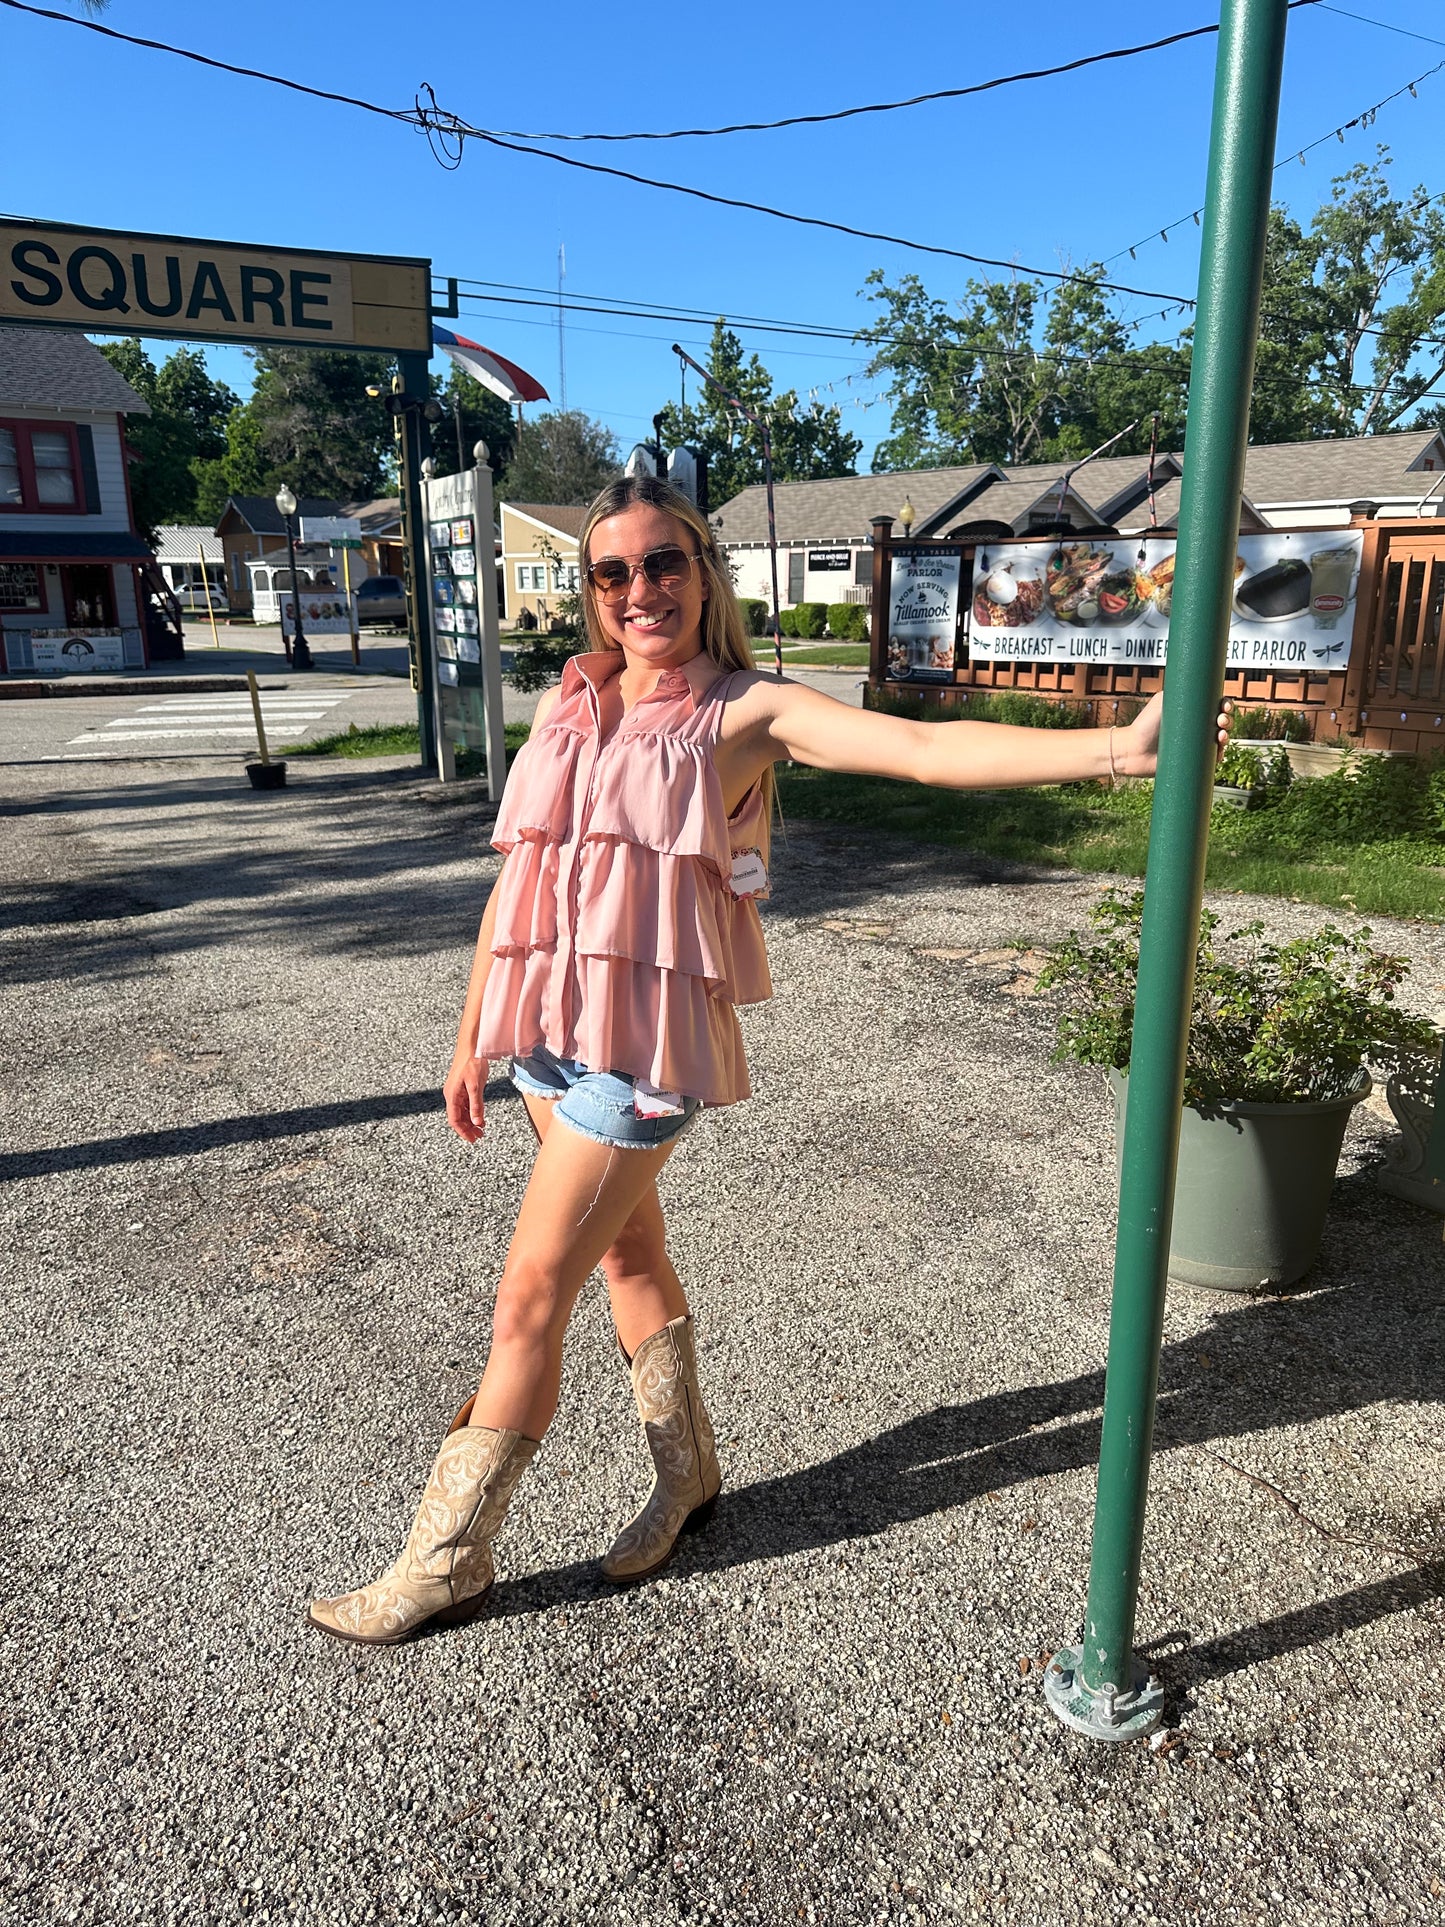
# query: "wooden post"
{"type": "Point", "coordinates": [206, 591]}
{"type": "Point", "coordinates": [882, 527]}
{"type": "Point", "coordinates": [351, 611]}
{"type": "Point", "coordinates": [1373, 557]}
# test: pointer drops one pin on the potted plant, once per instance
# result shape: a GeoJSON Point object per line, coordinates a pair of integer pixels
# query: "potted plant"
{"type": "Point", "coordinates": [1248, 775]}
{"type": "Point", "coordinates": [1279, 1037]}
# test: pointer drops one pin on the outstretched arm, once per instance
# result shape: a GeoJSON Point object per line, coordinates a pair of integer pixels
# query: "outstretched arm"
{"type": "Point", "coordinates": [806, 727]}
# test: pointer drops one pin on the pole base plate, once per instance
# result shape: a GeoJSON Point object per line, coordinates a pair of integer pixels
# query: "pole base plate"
{"type": "Point", "coordinates": [1107, 1714]}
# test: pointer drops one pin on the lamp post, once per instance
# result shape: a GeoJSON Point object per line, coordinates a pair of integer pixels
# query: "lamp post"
{"type": "Point", "coordinates": [286, 505]}
{"type": "Point", "coordinates": [907, 515]}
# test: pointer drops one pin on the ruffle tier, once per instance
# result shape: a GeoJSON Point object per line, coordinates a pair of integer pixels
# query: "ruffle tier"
{"type": "Point", "coordinates": [648, 906]}
{"type": "Point", "coordinates": [694, 1041]}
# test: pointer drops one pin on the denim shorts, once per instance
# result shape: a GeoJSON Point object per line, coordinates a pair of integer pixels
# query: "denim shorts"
{"type": "Point", "coordinates": [601, 1105]}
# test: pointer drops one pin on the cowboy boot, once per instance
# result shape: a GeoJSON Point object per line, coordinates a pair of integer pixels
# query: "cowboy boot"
{"type": "Point", "coordinates": [445, 1571]}
{"type": "Point", "coordinates": [680, 1438]}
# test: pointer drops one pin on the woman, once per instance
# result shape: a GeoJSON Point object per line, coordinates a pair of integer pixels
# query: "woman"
{"type": "Point", "coordinates": [621, 932]}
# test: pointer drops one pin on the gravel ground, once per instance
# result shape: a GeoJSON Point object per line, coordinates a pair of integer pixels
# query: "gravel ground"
{"type": "Point", "coordinates": [246, 1276]}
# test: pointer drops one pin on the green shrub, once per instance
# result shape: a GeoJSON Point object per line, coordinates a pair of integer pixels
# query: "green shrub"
{"type": "Point", "coordinates": [1241, 769]}
{"type": "Point", "coordinates": [1024, 710]}
{"type": "Point", "coordinates": [755, 614]}
{"type": "Point", "coordinates": [788, 621]}
{"type": "Point", "coordinates": [1271, 725]}
{"type": "Point", "coordinates": [848, 621]}
{"type": "Point", "coordinates": [810, 620]}
{"type": "Point", "coordinates": [1270, 1023]}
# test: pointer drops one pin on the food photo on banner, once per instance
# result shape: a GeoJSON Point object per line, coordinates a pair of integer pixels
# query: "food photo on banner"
{"type": "Point", "coordinates": [1107, 599]}
{"type": "Point", "coordinates": [323, 614]}
{"type": "Point", "coordinates": [923, 613]}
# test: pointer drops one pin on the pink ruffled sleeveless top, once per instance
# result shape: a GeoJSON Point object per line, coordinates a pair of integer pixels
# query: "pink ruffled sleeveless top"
{"type": "Point", "coordinates": [619, 941]}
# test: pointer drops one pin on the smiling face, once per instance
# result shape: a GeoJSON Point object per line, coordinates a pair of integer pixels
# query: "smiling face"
{"type": "Point", "coordinates": [660, 628]}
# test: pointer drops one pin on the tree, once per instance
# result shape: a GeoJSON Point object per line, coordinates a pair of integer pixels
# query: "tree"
{"type": "Point", "coordinates": [485, 417]}
{"type": "Point", "coordinates": [1020, 373]}
{"type": "Point", "coordinates": [1350, 342]}
{"type": "Point", "coordinates": [187, 424]}
{"type": "Point", "coordinates": [563, 458]}
{"type": "Point", "coordinates": [809, 444]}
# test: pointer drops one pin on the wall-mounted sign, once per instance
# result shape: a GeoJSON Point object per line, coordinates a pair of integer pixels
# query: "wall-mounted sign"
{"type": "Point", "coordinates": [1108, 600]}
{"type": "Point", "coordinates": [824, 559]}
{"type": "Point", "coordinates": [110, 281]}
{"type": "Point", "coordinates": [923, 613]}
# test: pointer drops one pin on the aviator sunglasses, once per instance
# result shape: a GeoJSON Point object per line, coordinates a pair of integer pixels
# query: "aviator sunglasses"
{"type": "Point", "coordinates": [666, 568]}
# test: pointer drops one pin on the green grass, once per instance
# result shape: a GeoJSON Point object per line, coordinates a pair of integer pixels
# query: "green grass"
{"type": "Point", "coordinates": [1085, 827]}
{"type": "Point", "coordinates": [824, 655]}
{"type": "Point", "coordinates": [393, 739]}
{"type": "Point", "coordinates": [1373, 843]}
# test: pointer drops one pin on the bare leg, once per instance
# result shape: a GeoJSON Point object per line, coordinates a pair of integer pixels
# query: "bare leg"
{"type": "Point", "coordinates": [644, 1290]}
{"type": "Point", "coordinates": [580, 1197]}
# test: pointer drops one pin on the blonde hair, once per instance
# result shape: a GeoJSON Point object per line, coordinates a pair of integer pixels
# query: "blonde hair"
{"type": "Point", "coordinates": [724, 633]}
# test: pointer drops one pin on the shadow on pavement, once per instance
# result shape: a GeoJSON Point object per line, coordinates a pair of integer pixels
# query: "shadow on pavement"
{"type": "Point", "coordinates": [140, 1147]}
{"type": "Point", "coordinates": [1260, 1366]}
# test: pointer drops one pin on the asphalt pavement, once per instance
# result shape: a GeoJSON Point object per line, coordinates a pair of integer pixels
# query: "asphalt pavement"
{"type": "Point", "coordinates": [246, 1274]}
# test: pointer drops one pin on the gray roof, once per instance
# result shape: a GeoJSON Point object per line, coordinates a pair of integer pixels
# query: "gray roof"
{"type": "Point", "coordinates": [378, 517]}
{"type": "Point", "coordinates": [55, 368]}
{"type": "Point", "coordinates": [185, 542]}
{"type": "Point", "coordinates": [1113, 488]}
{"type": "Point", "coordinates": [843, 507]}
{"type": "Point", "coordinates": [261, 516]}
{"type": "Point", "coordinates": [1365, 467]}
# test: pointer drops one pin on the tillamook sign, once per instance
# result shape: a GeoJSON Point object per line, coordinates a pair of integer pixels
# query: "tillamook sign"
{"type": "Point", "coordinates": [160, 284]}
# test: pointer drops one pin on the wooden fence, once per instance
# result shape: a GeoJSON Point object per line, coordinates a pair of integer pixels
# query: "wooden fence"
{"type": "Point", "coordinates": [1390, 695]}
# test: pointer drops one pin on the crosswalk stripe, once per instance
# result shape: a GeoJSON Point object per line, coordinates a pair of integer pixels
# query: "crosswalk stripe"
{"type": "Point", "coordinates": [139, 735]}
{"type": "Point", "coordinates": [301, 716]}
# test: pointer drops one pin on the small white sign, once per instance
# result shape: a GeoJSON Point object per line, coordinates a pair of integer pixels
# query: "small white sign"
{"type": "Point", "coordinates": [322, 613]}
{"type": "Point", "coordinates": [331, 531]}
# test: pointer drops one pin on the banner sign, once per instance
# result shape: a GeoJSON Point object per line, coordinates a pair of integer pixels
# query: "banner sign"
{"type": "Point", "coordinates": [322, 614]}
{"type": "Point", "coordinates": [1106, 599]}
{"type": "Point", "coordinates": [105, 280]}
{"type": "Point", "coordinates": [923, 613]}
{"type": "Point", "coordinates": [72, 651]}
{"type": "Point", "coordinates": [823, 559]}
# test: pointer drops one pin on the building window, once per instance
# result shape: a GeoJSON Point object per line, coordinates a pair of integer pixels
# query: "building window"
{"type": "Point", "coordinates": [797, 563]}
{"type": "Point", "coordinates": [20, 586]}
{"type": "Point", "coordinates": [565, 575]}
{"type": "Point", "coordinates": [39, 468]}
{"type": "Point", "coordinates": [532, 576]}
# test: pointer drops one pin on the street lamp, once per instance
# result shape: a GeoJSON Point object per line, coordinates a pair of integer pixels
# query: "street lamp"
{"type": "Point", "coordinates": [907, 515]}
{"type": "Point", "coordinates": [286, 505]}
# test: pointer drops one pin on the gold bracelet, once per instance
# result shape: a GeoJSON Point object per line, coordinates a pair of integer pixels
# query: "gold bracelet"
{"type": "Point", "coordinates": [1113, 771]}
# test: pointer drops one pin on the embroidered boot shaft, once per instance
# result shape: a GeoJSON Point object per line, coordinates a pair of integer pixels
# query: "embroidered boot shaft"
{"type": "Point", "coordinates": [680, 1438]}
{"type": "Point", "coordinates": [445, 1570]}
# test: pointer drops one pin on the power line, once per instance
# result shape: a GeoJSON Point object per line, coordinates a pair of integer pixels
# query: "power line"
{"type": "Point", "coordinates": [1363, 119]}
{"type": "Point", "coordinates": [448, 134]}
{"type": "Point", "coordinates": [895, 106]}
{"type": "Point", "coordinates": [1137, 357]}
{"type": "Point", "coordinates": [1385, 26]}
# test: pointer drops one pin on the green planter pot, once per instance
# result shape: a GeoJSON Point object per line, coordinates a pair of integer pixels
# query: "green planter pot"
{"type": "Point", "coordinates": [1253, 1187]}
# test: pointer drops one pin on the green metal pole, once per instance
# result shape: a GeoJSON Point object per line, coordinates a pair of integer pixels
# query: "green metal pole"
{"type": "Point", "coordinates": [1100, 1689]}
{"type": "Point", "coordinates": [415, 446]}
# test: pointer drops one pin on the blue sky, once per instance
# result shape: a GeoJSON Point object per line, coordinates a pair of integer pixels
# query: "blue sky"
{"type": "Point", "coordinates": [1048, 174]}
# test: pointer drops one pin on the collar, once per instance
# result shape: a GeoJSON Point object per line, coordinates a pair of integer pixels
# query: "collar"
{"type": "Point", "coordinates": [599, 666]}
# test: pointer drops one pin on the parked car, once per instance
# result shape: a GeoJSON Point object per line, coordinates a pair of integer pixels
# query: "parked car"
{"type": "Point", "coordinates": [381, 598]}
{"type": "Point", "coordinates": [192, 600]}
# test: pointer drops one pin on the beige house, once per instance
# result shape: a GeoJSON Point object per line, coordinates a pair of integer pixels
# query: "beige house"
{"type": "Point", "coordinates": [531, 581]}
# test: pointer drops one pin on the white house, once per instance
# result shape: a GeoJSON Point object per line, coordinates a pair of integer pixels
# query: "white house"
{"type": "Point", "coordinates": [824, 552]}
